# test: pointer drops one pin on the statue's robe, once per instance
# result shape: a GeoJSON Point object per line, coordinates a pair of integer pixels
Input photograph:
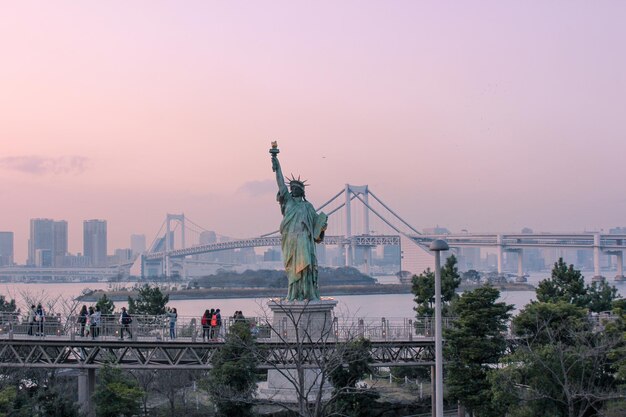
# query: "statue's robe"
{"type": "Point", "coordinates": [300, 229]}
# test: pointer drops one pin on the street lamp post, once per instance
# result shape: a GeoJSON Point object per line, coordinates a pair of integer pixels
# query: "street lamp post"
{"type": "Point", "coordinates": [437, 246]}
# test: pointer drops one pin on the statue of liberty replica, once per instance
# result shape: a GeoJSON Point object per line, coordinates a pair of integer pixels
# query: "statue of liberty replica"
{"type": "Point", "coordinates": [300, 230]}
{"type": "Point", "coordinates": [303, 315]}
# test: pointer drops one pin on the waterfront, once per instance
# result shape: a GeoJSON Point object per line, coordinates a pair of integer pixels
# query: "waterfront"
{"type": "Point", "coordinates": [373, 305]}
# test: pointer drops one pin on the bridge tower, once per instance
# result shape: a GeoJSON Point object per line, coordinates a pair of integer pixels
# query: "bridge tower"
{"type": "Point", "coordinates": [363, 192]}
{"type": "Point", "coordinates": [169, 239]}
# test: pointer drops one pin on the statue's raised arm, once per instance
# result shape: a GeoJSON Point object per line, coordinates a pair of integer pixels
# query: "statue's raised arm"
{"type": "Point", "coordinates": [280, 180]}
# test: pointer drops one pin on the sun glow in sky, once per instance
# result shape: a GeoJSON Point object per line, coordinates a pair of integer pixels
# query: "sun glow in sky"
{"type": "Point", "coordinates": [486, 116]}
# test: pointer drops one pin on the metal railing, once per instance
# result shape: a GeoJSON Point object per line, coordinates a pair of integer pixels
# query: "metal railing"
{"type": "Point", "coordinates": [157, 327]}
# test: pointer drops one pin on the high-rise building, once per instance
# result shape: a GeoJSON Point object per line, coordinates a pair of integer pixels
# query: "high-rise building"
{"type": "Point", "coordinates": [95, 241]}
{"type": "Point", "coordinates": [50, 237]}
{"type": "Point", "coordinates": [41, 238]}
{"type": "Point", "coordinates": [6, 248]}
{"type": "Point", "coordinates": [59, 247]}
{"type": "Point", "coordinates": [138, 244]}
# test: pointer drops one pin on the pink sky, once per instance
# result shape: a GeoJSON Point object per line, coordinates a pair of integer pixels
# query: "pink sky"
{"type": "Point", "coordinates": [487, 116]}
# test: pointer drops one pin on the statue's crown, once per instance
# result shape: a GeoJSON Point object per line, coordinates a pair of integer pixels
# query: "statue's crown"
{"type": "Point", "coordinates": [293, 182]}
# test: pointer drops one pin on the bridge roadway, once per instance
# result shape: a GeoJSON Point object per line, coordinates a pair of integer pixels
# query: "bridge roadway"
{"type": "Point", "coordinates": [599, 243]}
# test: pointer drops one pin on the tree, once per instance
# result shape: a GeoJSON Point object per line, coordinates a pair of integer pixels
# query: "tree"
{"type": "Point", "coordinates": [232, 382]}
{"type": "Point", "coordinates": [562, 367]}
{"type": "Point", "coordinates": [7, 306]}
{"type": "Point", "coordinates": [351, 400]}
{"type": "Point", "coordinates": [116, 394]}
{"type": "Point", "coordinates": [474, 344]}
{"type": "Point", "coordinates": [106, 305]}
{"type": "Point", "coordinates": [424, 288]}
{"type": "Point", "coordinates": [150, 301]}
{"type": "Point", "coordinates": [565, 284]}
{"type": "Point", "coordinates": [601, 296]}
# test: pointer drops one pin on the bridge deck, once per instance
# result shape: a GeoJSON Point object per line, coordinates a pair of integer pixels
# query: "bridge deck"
{"type": "Point", "coordinates": [187, 353]}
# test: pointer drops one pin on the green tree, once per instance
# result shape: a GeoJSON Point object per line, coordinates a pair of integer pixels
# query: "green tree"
{"type": "Point", "coordinates": [232, 380]}
{"type": "Point", "coordinates": [562, 367]}
{"type": "Point", "coordinates": [474, 344]}
{"type": "Point", "coordinates": [424, 288]}
{"type": "Point", "coordinates": [565, 284]}
{"type": "Point", "coordinates": [106, 305]}
{"type": "Point", "coordinates": [150, 300]}
{"type": "Point", "coordinates": [601, 296]}
{"type": "Point", "coordinates": [7, 306]}
{"type": "Point", "coordinates": [350, 400]}
{"type": "Point", "coordinates": [116, 394]}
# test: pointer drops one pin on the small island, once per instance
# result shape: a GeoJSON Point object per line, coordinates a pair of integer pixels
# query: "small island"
{"type": "Point", "coordinates": [272, 283]}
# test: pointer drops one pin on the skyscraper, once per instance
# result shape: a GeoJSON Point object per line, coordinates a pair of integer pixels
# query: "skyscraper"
{"type": "Point", "coordinates": [59, 234]}
{"type": "Point", "coordinates": [95, 241]}
{"type": "Point", "coordinates": [138, 244]}
{"type": "Point", "coordinates": [6, 248]}
{"type": "Point", "coordinates": [48, 242]}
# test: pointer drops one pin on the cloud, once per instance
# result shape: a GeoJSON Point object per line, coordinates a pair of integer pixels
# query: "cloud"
{"type": "Point", "coordinates": [36, 165]}
{"type": "Point", "coordinates": [257, 188]}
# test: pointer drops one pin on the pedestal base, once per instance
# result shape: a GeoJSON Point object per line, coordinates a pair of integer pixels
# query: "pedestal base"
{"type": "Point", "coordinates": [294, 323]}
{"type": "Point", "coordinates": [521, 279]}
{"type": "Point", "coordinates": [620, 278]}
{"type": "Point", "coordinates": [597, 278]}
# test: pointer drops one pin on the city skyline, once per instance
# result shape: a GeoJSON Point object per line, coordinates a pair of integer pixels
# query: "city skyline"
{"type": "Point", "coordinates": [488, 117]}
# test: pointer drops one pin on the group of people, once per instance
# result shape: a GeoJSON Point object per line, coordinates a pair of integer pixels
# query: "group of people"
{"type": "Point", "coordinates": [36, 319]}
{"type": "Point", "coordinates": [90, 320]}
{"type": "Point", "coordinates": [211, 324]}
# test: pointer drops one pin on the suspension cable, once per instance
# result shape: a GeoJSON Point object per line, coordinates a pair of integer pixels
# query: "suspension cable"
{"type": "Point", "coordinates": [392, 212]}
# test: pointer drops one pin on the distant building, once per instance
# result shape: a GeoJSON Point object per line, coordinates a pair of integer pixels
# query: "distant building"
{"type": "Point", "coordinates": [138, 244]}
{"type": "Point", "coordinates": [122, 256]}
{"type": "Point", "coordinates": [59, 248]}
{"type": "Point", "coordinates": [95, 241]}
{"type": "Point", "coordinates": [6, 248]}
{"type": "Point", "coordinates": [437, 230]}
{"type": "Point", "coordinates": [49, 237]}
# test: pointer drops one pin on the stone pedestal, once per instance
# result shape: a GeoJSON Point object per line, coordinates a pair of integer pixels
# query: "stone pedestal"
{"type": "Point", "coordinates": [295, 323]}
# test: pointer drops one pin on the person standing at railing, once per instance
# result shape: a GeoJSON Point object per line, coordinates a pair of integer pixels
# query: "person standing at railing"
{"type": "Point", "coordinates": [40, 318]}
{"type": "Point", "coordinates": [206, 325]}
{"type": "Point", "coordinates": [82, 319]}
{"type": "Point", "coordinates": [31, 319]}
{"type": "Point", "coordinates": [172, 315]}
{"type": "Point", "coordinates": [95, 322]}
{"type": "Point", "coordinates": [125, 321]}
{"type": "Point", "coordinates": [218, 323]}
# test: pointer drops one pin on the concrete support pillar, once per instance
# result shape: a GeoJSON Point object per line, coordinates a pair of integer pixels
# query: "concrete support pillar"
{"type": "Point", "coordinates": [520, 266]}
{"type": "Point", "coordinates": [597, 275]}
{"type": "Point", "coordinates": [500, 254]}
{"type": "Point", "coordinates": [86, 387]}
{"type": "Point", "coordinates": [433, 397]}
{"type": "Point", "coordinates": [619, 255]}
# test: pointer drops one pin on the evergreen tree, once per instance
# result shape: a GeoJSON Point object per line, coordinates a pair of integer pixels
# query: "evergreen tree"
{"type": "Point", "coordinates": [424, 288]}
{"type": "Point", "coordinates": [565, 284]}
{"type": "Point", "coordinates": [106, 305]}
{"type": "Point", "coordinates": [116, 394]}
{"type": "Point", "coordinates": [474, 344]}
{"type": "Point", "coordinates": [232, 381]}
{"type": "Point", "coordinates": [7, 306]}
{"type": "Point", "coordinates": [150, 301]}
{"type": "Point", "coordinates": [601, 296]}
